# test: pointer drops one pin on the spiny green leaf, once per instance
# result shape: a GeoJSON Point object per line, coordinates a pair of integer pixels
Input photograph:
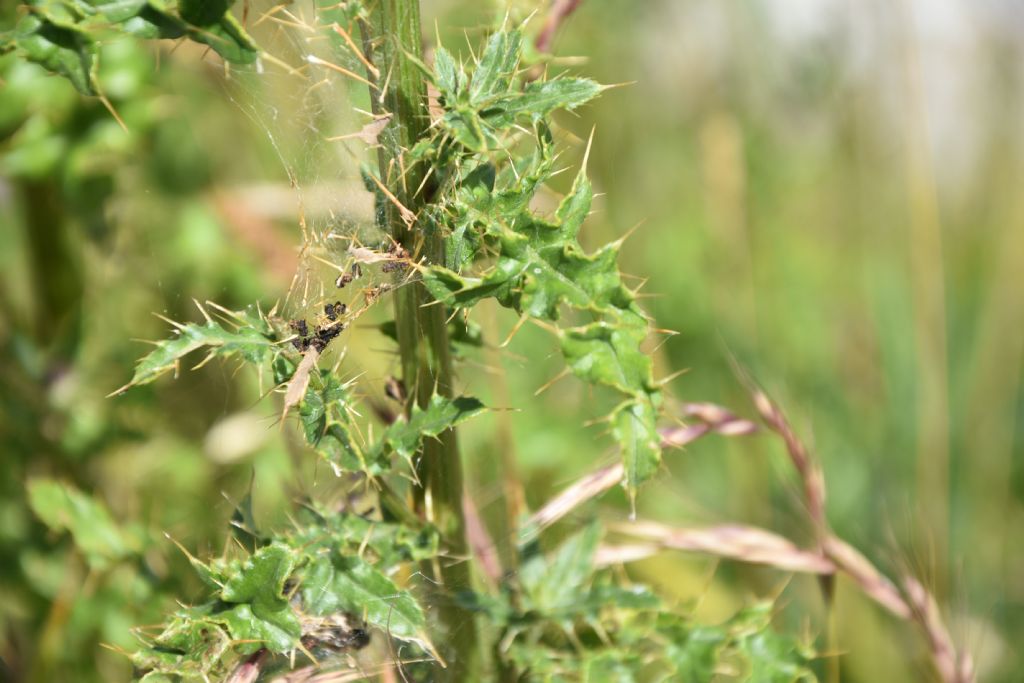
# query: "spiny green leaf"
{"type": "Point", "coordinates": [405, 437]}
{"type": "Point", "coordinates": [203, 12]}
{"type": "Point", "coordinates": [485, 197]}
{"type": "Point", "coordinates": [464, 331]}
{"type": "Point", "coordinates": [243, 523]}
{"type": "Point", "coordinates": [141, 19]}
{"type": "Point", "coordinates": [692, 651]}
{"type": "Point", "coordinates": [539, 98]}
{"type": "Point", "coordinates": [112, 11]}
{"type": "Point", "coordinates": [573, 209]}
{"type": "Point", "coordinates": [479, 118]}
{"type": "Point", "coordinates": [644, 641]}
{"type": "Point", "coordinates": [212, 573]}
{"type": "Point", "coordinates": [773, 658]}
{"type": "Point", "coordinates": [390, 543]}
{"type": "Point", "coordinates": [340, 449]}
{"type": "Point", "coordinates": [602, 596]}
{"type": "Point", "coordinates": [608, 354]}
{"type": "Point", "coordinates": [60, 47]}
{"type": "Point", "coordinates": [465, 125]}
{"type": "Point", "coordinates": [541, 267]}
{"type": "Point", "coordinates": [634, 426]}
{"type": "Point", "coordinates": [563, 274]}
{"type": "Point", "coordinates": [259, 625]}
{"type": "Point", "coordinates": [327, 425]}
{"type": "Point", "coordinates": [336, 583]}
{"type": "Point", "coordinates": [325, 397]}
{"type": "Point", "coordinates": [260, 612]}
{"type": "Point", "coordinates": [64, 37]}
{"type": "Point", "coordinates": [326, 421]}
{"type": "Point", "coordinates": [228, 39]}
{"type": "Point", "coordinates": [542, 664]}
{"type": "Point", "coordinates": [450, 78]}
{"type": "Point", "coordinates": [613, 666]}
{"type": "Point", "coordinates": [261, 578]}
{"type": "Point", "coordinates": [493, 74]}
{"type": "Point", "coordinates": [770, 657]}
{"type": "Point", "coordinates": [64, 508]}
{"type": "Point", "coordinates": [205, 21]}
{"type": "Point", "coordinates": [555, 583]}
{"type": "Point", "coordinates": [695, 651]}
{"type": "Point", "coordinates": [190, 645]}
{"type": "Point", "coordinates": [252, 343]}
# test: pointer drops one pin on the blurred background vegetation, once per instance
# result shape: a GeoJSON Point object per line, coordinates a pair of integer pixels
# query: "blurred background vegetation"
{"type": "Point", "coordinates": [827, 194]}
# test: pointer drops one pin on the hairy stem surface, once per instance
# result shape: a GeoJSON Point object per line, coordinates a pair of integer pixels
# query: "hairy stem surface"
{"type": "Point", "coordinates": [394, 42]}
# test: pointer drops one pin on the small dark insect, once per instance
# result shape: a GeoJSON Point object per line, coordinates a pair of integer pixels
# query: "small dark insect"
{"type": "Point", "coordinates": [336, 633]}
{"type": "Point", "coordinates": [398, 256]}
{"type": "Point", "coordinates": [354, 272]}
{"type": "Point", "coordinates": [323, 337]}
{"type": "Point", "coordinates": [301, 342]}
{"type": "Point", "coordinates": [371, 294]}
{"type": "Point", "coordinates": [332, 311]}
{"type": "Point", "coordinates": [395, 389]}
{"type": "Point", "coordinates": [323, 334]}
{"type": "Point", "coordinates": [333, 632]}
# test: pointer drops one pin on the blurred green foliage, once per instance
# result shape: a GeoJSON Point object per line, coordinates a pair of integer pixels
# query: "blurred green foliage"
{"type": "Point", "coordinates": [790, 213]}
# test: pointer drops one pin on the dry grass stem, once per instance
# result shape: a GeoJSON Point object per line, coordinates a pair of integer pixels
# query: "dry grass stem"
{"type": "Point", "coordinates": [610, 555]}
{"type": "Point", "coordinates": [590, 486]}
{"type": "Point", "coordinates": [711, 419]}
{"type": "Point", "coordinates": [952, 667]}
{"type": "Point", "coordinates": [916, 604]}
{"type": "Point", "coordinates": [733, 541]}
{"type": "Point", "coordinates": [809, 472]}
{"type": "Point", "coordinates": [560, 11]}
{"type": "Point", "coordinates": [871, 581]}
{"type": "Point", "coordinates": [759, 546]}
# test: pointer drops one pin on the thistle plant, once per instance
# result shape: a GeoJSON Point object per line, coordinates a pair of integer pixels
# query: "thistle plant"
{"type": "Point", "coordinates": [456, 227]}
{"type": "Point", "coordinates": [389, 581]}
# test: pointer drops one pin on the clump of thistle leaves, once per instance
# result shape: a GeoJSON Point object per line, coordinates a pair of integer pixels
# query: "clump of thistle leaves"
{"type": "Point", "coordinates": [334, 579]}
{"type": "Point", "coordinates": [498, 248]}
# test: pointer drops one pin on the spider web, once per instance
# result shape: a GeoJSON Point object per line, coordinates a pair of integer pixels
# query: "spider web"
{"type": "Point", "coordinates": [312, 103]}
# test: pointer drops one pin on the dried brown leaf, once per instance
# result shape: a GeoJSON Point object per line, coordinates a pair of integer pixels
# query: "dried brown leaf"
{"type": "Point", "coordinates": [299, 382]}
{"type": "Point", "coordinates": [368, 133]}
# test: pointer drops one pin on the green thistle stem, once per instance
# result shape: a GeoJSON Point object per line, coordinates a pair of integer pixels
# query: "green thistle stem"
{"type": "Point", "coordinates": [395, 46]}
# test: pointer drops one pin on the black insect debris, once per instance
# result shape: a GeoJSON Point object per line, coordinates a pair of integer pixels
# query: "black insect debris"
{"type": "Point", "coordinates": [398, 258]}
{"type": "Point", "coordinates": [324, 333]}
{"type": "Point", "coordinates": [345, 278]}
